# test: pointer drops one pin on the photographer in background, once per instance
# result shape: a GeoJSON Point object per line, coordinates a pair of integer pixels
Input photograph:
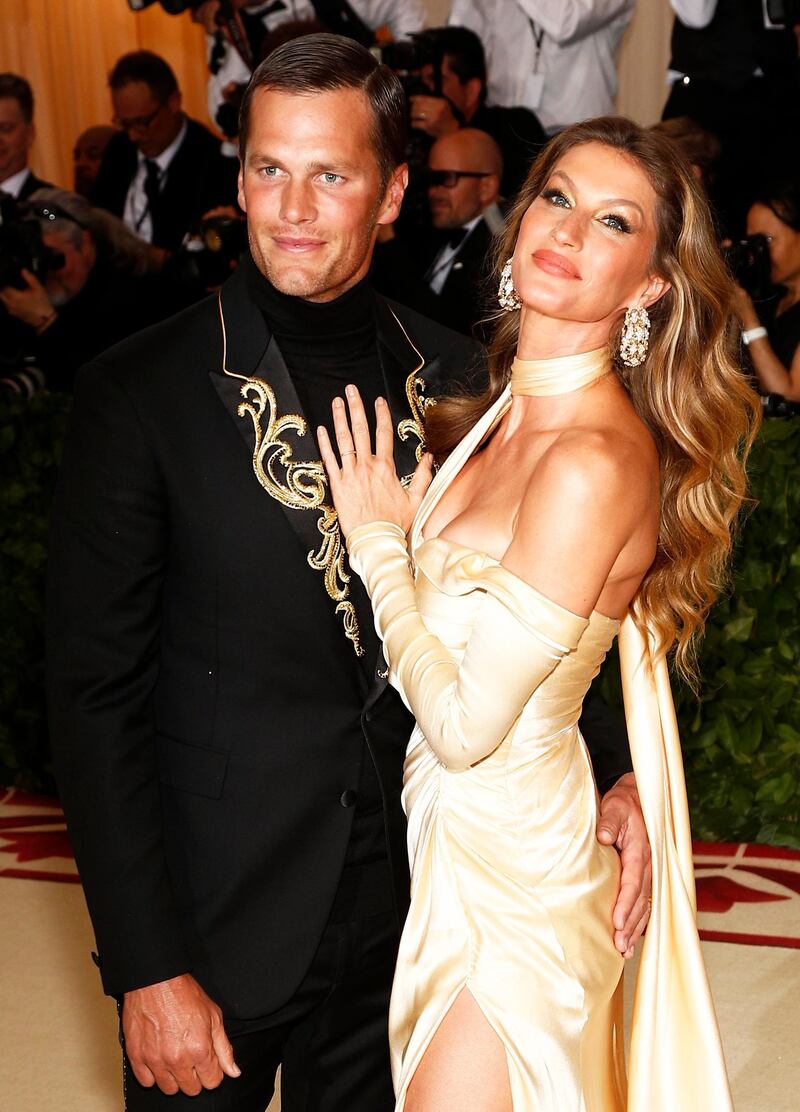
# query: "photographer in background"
{"type": "Point", "coordinates": [164, 170]}
{"type": "Point", "coordinates": [773, 337]}
{"type": "Point", "coordinates": [556, 57]}
{"type": "Point", "coordinates": [17, 133]}
{"type": "Point", "coordinates": [96, 285]}
{"type": "Point", "coordinates": [462, 103]}
{"type": "Point", "coordinates": [251, 20]}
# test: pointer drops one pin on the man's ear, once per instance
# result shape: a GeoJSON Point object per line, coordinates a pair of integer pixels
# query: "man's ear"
{"type": "Point", "coordinates": [393, 196]}
{"type": "Point", "coordinates": [240, 187]}
{"type": "Point", "coordinates": [174, 101]}
{"type": "Point", "coordinates": [488, 189]}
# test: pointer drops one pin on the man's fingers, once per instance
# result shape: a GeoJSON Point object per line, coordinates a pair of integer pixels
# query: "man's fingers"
{"type": "Point", "coordinates": [224, 1050]}
{"type": "Point", "coordinates": [611, 820]}
{"type": "Point", "coordinates": [209, 1073]}
{"type": "Point", "coordinates": [165, 1080]}
{"type": "Point", "coordinates": [629, 893]}
{"type": "Point", "coordinates": [142, 1073]}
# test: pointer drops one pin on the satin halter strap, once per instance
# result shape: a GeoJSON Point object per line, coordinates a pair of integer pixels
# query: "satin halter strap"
{"type": "Point", "coordinates": [547, 377]}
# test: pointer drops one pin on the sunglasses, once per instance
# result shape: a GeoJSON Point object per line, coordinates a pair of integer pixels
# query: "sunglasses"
{"type": "Point", "coordinates": [450, 178]}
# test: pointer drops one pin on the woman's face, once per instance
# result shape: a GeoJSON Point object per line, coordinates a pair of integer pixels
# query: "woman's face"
{"type": "Point", "coordinates": [585, 246]}
{"type": "Point", "coordinates": [784, 243]}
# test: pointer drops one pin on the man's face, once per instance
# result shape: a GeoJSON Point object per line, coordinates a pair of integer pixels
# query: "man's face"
{"type": "Point", "coordinates": [68, 281]}
{"type": "Point", "coordinates": [16, 138]}
{"type": "Point", "coordinates": [87, 156]}
{"type": "Point", "coordinates": [151, 124]}
{"type": "Point", "coordinates": [311, 188]}
{"type": "Point", "coordinates": [464, 95]}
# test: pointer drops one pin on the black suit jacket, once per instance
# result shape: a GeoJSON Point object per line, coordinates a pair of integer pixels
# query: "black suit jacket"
{"type": "Point", "coordinates": [197, 179]}
{"type": "Point", "coordinates": [30, 185]}
{"type": "Point", "coordinates": [208, 711]}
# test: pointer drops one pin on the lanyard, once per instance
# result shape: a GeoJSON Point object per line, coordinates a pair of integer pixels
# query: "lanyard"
{"type": "Point", "coordinates": [538, 38]}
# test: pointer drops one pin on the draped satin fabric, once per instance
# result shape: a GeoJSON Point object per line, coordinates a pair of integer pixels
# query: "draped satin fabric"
{"type": "Point", "coordinates": [511, 892]}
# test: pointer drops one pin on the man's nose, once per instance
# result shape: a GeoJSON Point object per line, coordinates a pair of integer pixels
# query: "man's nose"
{"type": "Point", "coordinates": [298, 204]}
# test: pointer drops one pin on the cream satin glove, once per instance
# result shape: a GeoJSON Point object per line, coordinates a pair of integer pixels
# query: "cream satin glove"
{"type": "Point", "coordinates": [519, 635]}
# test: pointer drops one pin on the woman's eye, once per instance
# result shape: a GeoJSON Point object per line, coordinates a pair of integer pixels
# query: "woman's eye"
{"type": "Point", "coordinates": [556, 197]}
{"type": "Point", "coordinates": [617, 222]}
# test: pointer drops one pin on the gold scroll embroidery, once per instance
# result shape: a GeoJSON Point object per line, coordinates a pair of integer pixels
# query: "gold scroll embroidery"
{"type": "Point", "coordinates": [296, 484]}
{"type": "Point", "coordinates": [418, 404]}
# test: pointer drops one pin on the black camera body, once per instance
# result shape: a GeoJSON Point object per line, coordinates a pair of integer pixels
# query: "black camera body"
{"type": "Point", "coordinates": [22, 246]}
{"type": "Point", "coordinates": [408, 56]}
{"type": "Point", "coordinates": [209, 257]}
{"type": "Point", "coordinates": [749, 263]}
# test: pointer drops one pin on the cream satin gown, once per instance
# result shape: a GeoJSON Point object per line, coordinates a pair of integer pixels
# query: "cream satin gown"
{"type": "Point", "coordinates": [511, 893]}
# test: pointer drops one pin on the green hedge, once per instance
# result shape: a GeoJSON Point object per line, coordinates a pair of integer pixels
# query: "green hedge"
{"type": "Point", "coordinates": [741, 738]}
{"type": "Point", "coordinates": [31, 435]}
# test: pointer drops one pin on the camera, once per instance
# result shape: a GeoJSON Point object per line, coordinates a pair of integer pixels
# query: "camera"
{"type": "Point", "coordinates": [783, 13]}
{"type": "Point", "coordinates": [207, 259]}
{"type": "Point", "coordinates": [407, 57]}
{"type": "Point", "coordinates": [749, 262]}
{"type": "Point", "coordinates": [22, 246]}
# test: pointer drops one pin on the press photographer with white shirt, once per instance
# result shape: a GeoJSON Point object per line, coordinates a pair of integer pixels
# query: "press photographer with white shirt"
{"type": "Point", "coordinates": [556, 57]}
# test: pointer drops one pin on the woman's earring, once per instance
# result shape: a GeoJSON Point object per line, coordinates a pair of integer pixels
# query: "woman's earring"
{"type": "Point", "coordinates": [635, 336]}
{"type": "Point", "coordinates": [507, 295]}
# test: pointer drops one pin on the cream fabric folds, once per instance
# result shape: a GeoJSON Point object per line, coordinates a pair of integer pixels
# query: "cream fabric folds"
{"type": "Point", "coordinates": [676, 1059]}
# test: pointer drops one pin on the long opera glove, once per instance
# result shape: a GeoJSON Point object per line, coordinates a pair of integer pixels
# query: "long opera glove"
{"type": "Point", "coordinates": [676, 1059]}
{"type": "Point", "coordinates": [519, 635]}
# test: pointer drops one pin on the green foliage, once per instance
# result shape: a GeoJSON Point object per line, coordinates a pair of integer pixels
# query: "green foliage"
{"type": "Point", "coordinates": [31, 435]}
{"type": "Point", "coordinates": [741, 738]}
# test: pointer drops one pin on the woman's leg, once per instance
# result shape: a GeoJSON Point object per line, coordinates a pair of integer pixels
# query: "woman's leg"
{"type": "Point", "coordinates": [464, 1066]}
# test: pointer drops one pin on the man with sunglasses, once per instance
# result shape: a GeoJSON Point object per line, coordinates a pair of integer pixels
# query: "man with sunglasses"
{"type": "Point", "coordinates": [164, 170]}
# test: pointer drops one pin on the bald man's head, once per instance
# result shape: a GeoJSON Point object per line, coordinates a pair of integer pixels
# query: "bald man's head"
{"type": "Point", "coordinates": [476, 166]}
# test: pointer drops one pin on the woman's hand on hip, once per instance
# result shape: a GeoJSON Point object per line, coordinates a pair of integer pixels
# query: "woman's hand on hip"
{"type": "Point", "coordinates": [364, 484]}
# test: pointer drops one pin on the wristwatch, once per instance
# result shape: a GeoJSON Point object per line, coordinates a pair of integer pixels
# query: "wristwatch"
{"type": "Point", "coordinates": [753, 334]}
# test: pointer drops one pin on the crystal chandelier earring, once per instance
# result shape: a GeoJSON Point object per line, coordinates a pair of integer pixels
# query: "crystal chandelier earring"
{"type": "Point", "coordinates": [635, 336]}
{"type": "Point", "coordinates": [507, 295]}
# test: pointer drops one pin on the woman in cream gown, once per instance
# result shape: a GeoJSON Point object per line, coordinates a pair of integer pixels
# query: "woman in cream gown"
{"type": "Point", "coordinates": [589, 496]}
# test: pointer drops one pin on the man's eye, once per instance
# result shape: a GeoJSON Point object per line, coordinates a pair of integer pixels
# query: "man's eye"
{"type": "Point", "coordinates": [330, 178]}
{"type": "Point", "coordinates": [270, 171]}
{"type": "Point", "coordinates": [556, 197]}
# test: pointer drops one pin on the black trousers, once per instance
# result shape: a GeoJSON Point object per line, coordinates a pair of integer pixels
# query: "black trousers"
{"type": "Point", "coordinates": [330, 1039]}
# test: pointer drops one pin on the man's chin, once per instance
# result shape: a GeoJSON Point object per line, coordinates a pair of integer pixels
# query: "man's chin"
{"type": "Point", "coordinates": [296, 280]}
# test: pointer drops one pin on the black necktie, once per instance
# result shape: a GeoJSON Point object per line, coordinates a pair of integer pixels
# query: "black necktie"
{"type": "Point", "coordinates": [152, 184]}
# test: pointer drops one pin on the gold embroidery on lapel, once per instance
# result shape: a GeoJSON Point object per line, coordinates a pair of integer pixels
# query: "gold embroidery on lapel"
{"type": "Point", "coordinates": [418, 403]}
{"type": "Point", "coordinates": [296, 484]}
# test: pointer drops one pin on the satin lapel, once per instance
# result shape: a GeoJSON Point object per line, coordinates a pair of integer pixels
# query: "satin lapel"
{"type": "Point", "coordinates": [256, 389]}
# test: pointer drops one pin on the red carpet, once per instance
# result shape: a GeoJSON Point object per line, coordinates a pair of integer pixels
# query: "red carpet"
{"type": "Point", "coordinates": [748, 894]}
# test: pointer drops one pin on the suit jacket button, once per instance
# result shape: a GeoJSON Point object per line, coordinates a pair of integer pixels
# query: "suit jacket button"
{"type": "Point", "coordinates": [347, 798]}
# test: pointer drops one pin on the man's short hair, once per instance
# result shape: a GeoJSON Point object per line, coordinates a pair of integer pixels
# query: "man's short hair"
{"type": "Point", "coordinates": [144, 65]}
{"type": "Point", "coordinates": [464, 52]}
{"type": "Point", "coordinates": [323, 63]}
{"type": "Point", "coordinates": [17, 88]}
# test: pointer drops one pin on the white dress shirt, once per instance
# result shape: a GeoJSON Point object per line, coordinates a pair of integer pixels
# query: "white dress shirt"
{"type": "Point", "coordinates": [556, 57]}
{"type": "Point", "coordinates": [439, 270]}
{"type": "Point", "coordinates": [696, 14]}
{"type": "Point", "coordinates": [402, 17]}
{"type": "Point", "coordinates": [14, 184]}
{"type": "Point", "coordinates": [136, 213]}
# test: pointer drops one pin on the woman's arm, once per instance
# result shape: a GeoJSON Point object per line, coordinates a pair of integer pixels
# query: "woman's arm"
{"type": "Point", "coordinates": [773, 376]}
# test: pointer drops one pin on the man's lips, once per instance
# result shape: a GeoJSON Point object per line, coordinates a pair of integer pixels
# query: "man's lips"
{"type": "Point", "coordinates": [297, 245]}
{"type": "Point", "coordinates": [553, 263]}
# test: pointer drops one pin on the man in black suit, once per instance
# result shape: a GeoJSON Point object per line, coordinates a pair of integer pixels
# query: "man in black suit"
{"type": "Point", "coordinates": [228, 750]}
{"type": "Point", "coordinates": [17, 135]}
{"type": "Point", "coordinates": [164, 171]}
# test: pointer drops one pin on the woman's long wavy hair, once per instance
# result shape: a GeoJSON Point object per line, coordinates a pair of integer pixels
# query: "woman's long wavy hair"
{"type": "Point", "coordinates": [690, 391]}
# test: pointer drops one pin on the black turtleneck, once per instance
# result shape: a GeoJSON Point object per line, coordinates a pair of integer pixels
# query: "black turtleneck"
{"type": "Point", "coordinates": [326, 346]}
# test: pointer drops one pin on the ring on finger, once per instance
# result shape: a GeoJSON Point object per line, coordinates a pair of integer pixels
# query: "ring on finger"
{"type": "Point", "coordinates": [351, 453]}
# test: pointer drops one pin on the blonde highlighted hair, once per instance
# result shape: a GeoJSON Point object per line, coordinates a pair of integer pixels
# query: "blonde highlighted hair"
{"type": "Point", "coordinates": [690, 391]}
